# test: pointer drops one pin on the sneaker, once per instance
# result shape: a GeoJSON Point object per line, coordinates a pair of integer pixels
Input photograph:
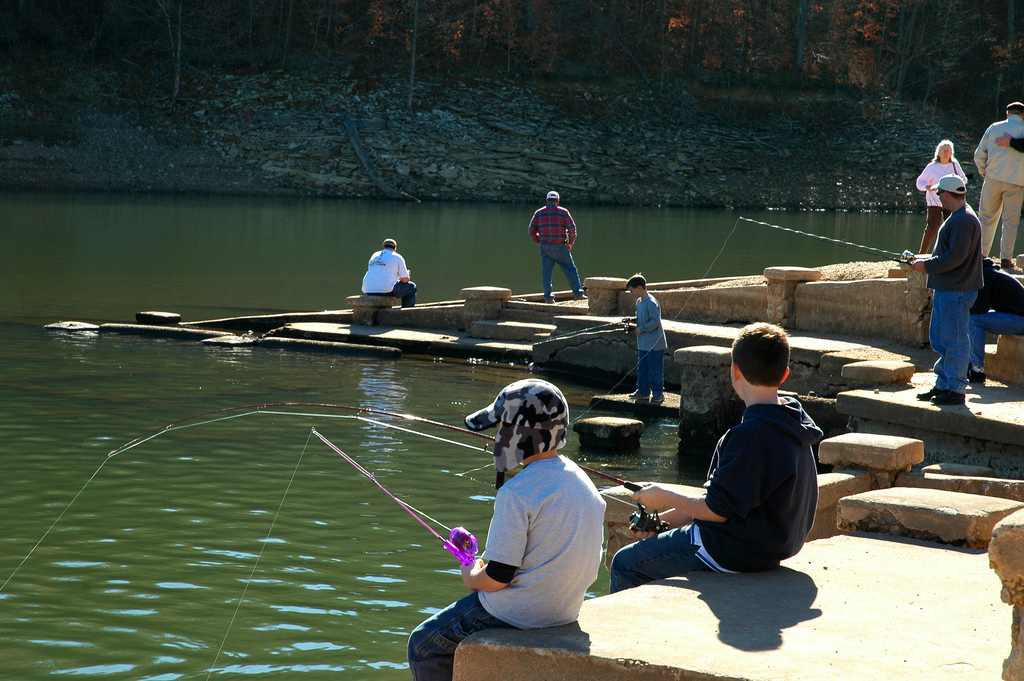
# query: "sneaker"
{"type": "Point", "coordinates": [657, 399]}
{"type": "Point", "coordinates": [549, 300]}
{"type": "Point", "coordinates": [579, 296]}
{"type": "Point", "coordinates": [637, 397]}
{"type": "Point", "coordinates": [975, 376]}
{"type": "Point", "coordinates": [928, 395]}
{"type": "Point", "coordinates": [948, 397]}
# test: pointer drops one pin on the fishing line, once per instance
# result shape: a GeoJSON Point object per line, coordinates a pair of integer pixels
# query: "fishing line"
{"type": "Point", "coordinates": [250, 410]}
{"type": "Point", "coordinates": [259, 557]}
{"type": "Point", "coordinates": [841, 242]}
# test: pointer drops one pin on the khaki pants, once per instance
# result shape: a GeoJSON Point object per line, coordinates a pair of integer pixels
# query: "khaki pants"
{"type": "Point", "coordinates": [999, 198]}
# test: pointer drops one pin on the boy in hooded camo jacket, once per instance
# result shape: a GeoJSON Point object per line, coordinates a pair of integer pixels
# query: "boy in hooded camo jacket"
{"type": "Point", "coordinates": [544, 543]}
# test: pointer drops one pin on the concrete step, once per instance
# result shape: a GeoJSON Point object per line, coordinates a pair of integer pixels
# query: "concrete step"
{"type": "Point", "coordinates": [852, 597]}
{"type": "Point", "coordinates": [554, 308]}
{"type": "Point", "coordinates": [931, 514]}
{"type": "Point", "coordinates": [527, 316]}
{"type": "Point", "coordinates": [984, 485]}
{"type": "Point", "coordinates": [510, 331]}
{"type": "Point", "coordinates": [1007, 364]}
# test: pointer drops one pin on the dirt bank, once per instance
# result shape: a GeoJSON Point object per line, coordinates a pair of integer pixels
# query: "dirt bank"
{"type": "Point", "coordinates": [309, 132]}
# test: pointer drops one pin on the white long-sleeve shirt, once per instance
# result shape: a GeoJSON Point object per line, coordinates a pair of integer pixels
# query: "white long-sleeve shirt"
{"type": "Point", "coordinates": [930, 176]}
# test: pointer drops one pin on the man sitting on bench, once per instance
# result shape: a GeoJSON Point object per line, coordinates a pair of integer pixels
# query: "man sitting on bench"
{"type": "Point", "coordinates": [999, 309]}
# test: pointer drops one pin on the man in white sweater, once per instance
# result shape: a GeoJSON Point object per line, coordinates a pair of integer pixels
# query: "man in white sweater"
{"type": "Point", "coordinates": [1003, 190]}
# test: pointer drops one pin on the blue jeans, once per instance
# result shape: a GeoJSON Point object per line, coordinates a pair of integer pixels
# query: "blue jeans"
{"type": "Point", "coordinates": [949, 334]}
{"type": "Point", "coordinates": [649, 369]}
{"type": "Point", "coordinates": [1002, 323]}
{"type": "Point", "coordinates": [557, 253]}
{"type": "Point", "coordinates": [432, 644]}
{"type": "Point", "coordinates": [669, 554]}
{"type": "Point", "coordinates": [406, 291]}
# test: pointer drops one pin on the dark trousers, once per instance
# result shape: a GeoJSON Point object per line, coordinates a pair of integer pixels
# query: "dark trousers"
{"type": "Point", "coordinates": [432, 644]}
{"type": "Point", "coordinates": [936, 215]}
{"type": "Point", "coordinates": [405, 291]}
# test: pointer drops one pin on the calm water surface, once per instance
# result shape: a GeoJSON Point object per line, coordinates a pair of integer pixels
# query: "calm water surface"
{"type": "Point", "coordinates": [140, 578]}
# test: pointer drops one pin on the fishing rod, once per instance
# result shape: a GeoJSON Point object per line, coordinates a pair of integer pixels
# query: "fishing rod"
{"type": "Point", "coordinates": [460, 542]}
{"type": "Point", "coordinates": [899, 257]}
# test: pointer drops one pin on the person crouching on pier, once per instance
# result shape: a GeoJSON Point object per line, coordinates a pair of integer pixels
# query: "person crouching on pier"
{"type": "Point", "coordinates": [762, 488]}
{"type": "Point", "coordinates": [545, 541]}
{"type": "Point", "coordinates": [955, 276]}
{"type": "Point", "coordinates": [387, 275]}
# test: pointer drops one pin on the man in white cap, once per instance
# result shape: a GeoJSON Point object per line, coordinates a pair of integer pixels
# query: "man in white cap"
{"type": "Point", "coordinates": [553, 228]}
{"type": "Point", "coordinates": [955, 276]}
{"type": "Point", "coordinates": [1003, 190]}
{"type": "Point", "coordinates": [544, 544]}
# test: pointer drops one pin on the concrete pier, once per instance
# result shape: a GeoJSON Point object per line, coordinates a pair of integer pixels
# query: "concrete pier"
{"type": "Point", "coordinates": [855, 608]}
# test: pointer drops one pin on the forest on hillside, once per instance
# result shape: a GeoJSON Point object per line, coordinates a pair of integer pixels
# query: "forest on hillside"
{"type": "Point", "coordinates": [962, 55]}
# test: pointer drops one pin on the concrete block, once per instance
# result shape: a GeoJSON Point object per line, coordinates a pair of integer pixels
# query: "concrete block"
{"type": "Point", "coordinates": [365, 308]}
{"type": "Point", "coordinates": [609, 432]}
{"type": "Point", "coordinates": [603, 294]}
{"type": "Point", "coordinates": [72, 327]}
{"type": "Point", "coordinates": [348, 349]}
{"type": "Point", "coordinates": [848, 608]}
{"type": "Point", "coordinates": [1007, 365]}
{"type": "Point", "coordinates": [157, 318]}
{"type": "Point", "coordinates": [1006, 556]}
{"type": "Point", "coordinates": [936, 515]}
{"type": "Point", "coordinates": [867, 308]}
{"type": "Point", "coordinates": [487, 293]}
{"type": "Point", "coordinates": [897, 273]}
{"type": "Point", "coordinates": [703, 356]}
{"type": "Point", "coordinates": [959, 469]}
{"type": "Point", "coordinates": [514, 331]}
{"type": "Point", "coordinates": [792, 274]}
{"type": "Point", "coordinates": [874, 452]}
{"type": "Point", "coordinates": [160, 331]}
{"type": "Point", "coordinates": [831, 488]}
{"type": "Point", "coordinates": [832, 363]}
{"type": "Point", "coordinates": [879, 372]}
{"type": "Point", "coordinates": [988, 486]}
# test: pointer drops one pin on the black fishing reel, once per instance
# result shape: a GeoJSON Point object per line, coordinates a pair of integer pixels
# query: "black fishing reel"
{"type": "Point", "coordinates": [642, 521]}
{"type": "Point", "coordinates": [628, 324]}
{"type": "Point", "coordinates": [906, 257]}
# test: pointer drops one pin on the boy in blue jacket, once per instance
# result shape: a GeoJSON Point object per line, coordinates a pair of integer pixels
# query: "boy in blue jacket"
{"type": "Point", "coordinates": [650, 343]}
{"type": "Point", "coordinates": [762, 487]}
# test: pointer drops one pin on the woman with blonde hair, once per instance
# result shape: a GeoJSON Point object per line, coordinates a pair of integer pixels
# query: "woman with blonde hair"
{"type": "Point", "coordinates": [944, 163]}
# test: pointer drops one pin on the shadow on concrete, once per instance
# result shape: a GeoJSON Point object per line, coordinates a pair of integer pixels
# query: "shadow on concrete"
{"type": "Point", "coordinates": [754, 609]}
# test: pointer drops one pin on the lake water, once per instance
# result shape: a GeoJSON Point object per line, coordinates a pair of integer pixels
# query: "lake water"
{"type": "Point", "coordinates": [141, 577]}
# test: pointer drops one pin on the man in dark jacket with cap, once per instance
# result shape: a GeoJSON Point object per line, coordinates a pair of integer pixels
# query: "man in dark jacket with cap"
{"type": "Point", "coordinates": [544, 543]}
{"type": "Point", "coordinates": [999, 309]}
{"type": "Point", "coordinates": [762, 489]}
{"type": "Point", "coordinates": [954, 275]}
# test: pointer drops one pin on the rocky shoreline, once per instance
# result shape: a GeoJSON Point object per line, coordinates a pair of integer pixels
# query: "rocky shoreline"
{"type": "Point", "coordinates": [315, 133]}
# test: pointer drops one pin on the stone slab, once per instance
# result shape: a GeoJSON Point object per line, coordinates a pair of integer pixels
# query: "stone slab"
{"type": "Point", "coordinates": [486, 293]}
{"type": "Point", "coordinates": [514, 331]}
{"type": "Point", "coordinates": [874, 452]}
{"type": "Point", "coordinates": [842, 483]}
{"type": "Point", "coordinates": [988, 486]}
{"type": "Point", "coordinates": [620, 402]}
{"type": "Point", "coordinates": [72, 327]}
{"type": "Point", "coordinates": [853, 608]}
{"type": "Point", "coordinates": [414, 341]}
{"type": "Point", "coordinates": [157, 318]}
{"type": "Point", "coordinates": [266, 322]}
{"type": "Point", "coordinates": [607, 283]}
{"type": "Point", "coordinates": [991, 413]}
{"type": "Point", "coordinates": [160, 331]}
{"type": "Point", "coordinates": [879, 371]}
{"type": "Point", "coordinates": [703, 355]}
{"type": "Point", "coordinates": [372, 301]}
{"type": "Point", "coordinates": [351, 349]}
{"type": "Point", "coordinates": [609, 432]}
{"type": "Point", "coordinates": [959, 469]}
{"type": "Point", "coordinates": [231, 340]}
{"type": "Point", "coordinates": [935, 515]}
{"type": "Point", "coordinates": [792, 274]}
{"type": "Point", "coordinates": [834, 362]}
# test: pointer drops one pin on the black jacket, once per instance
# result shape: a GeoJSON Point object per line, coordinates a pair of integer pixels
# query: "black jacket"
{"type": "Point", "coordinates": [1002, 292]}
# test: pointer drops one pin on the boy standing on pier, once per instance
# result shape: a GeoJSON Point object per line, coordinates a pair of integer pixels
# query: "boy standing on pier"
{"type": "Point", "coordinates": [762, 488]}
{"type": "Point", "coordinates": [650, 343]}
{"type": "Point", "coordinates": [544, 543]}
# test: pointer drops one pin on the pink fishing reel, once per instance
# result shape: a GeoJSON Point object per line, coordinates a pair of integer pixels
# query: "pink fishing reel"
{"type": "Point", "coordinates": [462, 544]}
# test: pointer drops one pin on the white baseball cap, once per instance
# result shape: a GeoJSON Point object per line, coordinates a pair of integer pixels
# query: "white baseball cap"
{"type": "Point", "coordinates": [553, 196]}
{"type": "Point", "coordinates": [954, 184]}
